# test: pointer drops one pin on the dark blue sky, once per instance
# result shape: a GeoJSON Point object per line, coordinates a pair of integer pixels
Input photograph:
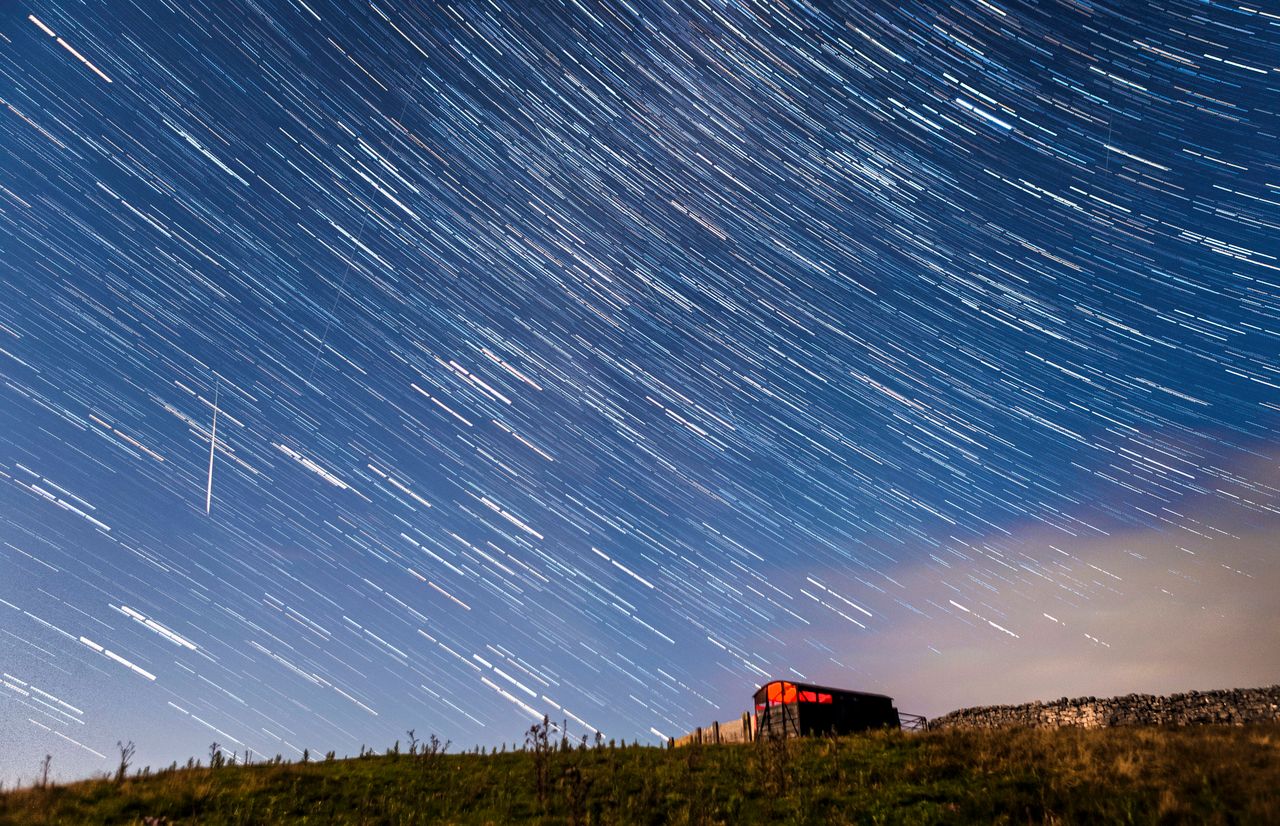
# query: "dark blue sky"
{"type": "Point", "coordinates": [599, 360]}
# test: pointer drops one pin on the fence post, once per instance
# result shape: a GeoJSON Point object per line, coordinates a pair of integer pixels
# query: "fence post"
{"type": "Point", "coordinates": [715, 732]}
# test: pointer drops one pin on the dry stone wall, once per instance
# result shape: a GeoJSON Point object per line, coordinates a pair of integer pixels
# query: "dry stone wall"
{"type": "Point", "coordinates": [1233, 706]}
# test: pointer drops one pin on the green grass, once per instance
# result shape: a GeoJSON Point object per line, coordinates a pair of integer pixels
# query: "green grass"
{"type": "Point", "coordinates": [1206, 774]}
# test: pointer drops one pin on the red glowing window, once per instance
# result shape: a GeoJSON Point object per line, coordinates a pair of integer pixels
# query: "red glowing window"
{"type": "Point", "coordinates": [780, 693]}
{"type": "Point", "coordinates": [784, 693]}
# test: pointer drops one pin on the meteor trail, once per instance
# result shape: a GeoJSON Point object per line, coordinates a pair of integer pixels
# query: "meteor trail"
{"type": "Point", "coordinates": [213, 443]}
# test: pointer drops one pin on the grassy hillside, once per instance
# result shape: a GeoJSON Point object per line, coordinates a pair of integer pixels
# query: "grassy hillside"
{"type": "Point", "coordinates": [1205, 774]}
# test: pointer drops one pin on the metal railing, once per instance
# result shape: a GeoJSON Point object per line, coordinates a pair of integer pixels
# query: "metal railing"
{"type": "Point", "coordinates": [913, 722]}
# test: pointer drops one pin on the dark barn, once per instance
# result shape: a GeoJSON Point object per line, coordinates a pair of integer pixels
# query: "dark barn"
{"type": "Point", "coordinates": [789, 709]}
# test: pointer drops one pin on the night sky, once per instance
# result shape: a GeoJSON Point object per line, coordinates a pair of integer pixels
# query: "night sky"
{"type": "Point", "coordinates": [604, 360]}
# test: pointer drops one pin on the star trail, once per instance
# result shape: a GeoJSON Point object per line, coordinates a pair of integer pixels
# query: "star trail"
{"type": "Point", "coordinates": [367, 366]}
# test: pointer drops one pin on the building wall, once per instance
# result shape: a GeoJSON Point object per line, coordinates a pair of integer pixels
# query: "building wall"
{"type": "Point", "coordinates": [1228, 706]}
{"type": "Point", "coordinates": [849, 716]}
